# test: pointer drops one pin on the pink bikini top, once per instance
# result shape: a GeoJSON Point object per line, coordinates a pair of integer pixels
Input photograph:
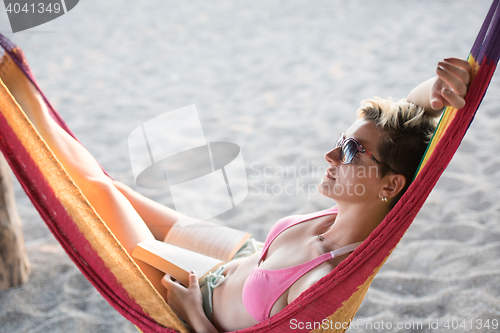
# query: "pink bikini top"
{"type": "Point", "coordinates": [263, 287]}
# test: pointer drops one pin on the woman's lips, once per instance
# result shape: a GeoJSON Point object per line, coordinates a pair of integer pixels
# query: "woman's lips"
{"type": "Point", "coordinates": [329, 174]}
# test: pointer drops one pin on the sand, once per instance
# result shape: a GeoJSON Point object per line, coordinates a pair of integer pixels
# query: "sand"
{"type": "Point", "coordinates": [281, 79]}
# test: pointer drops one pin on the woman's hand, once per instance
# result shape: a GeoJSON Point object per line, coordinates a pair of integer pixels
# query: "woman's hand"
{"type": "Point", "coordinates": [187, 303]}
{"type": "Point", "coordinates": [449, 87]}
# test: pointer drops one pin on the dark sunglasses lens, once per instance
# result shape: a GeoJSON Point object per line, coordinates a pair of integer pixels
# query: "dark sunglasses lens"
{"type": "Point", "coordinates": [348, 151]}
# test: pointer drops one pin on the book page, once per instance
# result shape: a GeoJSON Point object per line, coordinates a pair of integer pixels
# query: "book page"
{"type": "Point", "coordinates": [208, 238]}
{"type": "Point", "coordinates": [174, 260]}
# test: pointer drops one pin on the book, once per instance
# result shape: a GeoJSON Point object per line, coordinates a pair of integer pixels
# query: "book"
{"type": "Point", "coordinates": [200, 246]}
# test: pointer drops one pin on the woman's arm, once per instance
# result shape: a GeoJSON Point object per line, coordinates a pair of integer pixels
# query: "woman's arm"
{"type": "Point", "coordinates": [187, 303]}
{"type": "Point", "coordinates": [447, 88]}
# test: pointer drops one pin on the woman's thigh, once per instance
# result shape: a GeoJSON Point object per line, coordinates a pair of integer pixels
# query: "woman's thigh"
{"type": "Point", "coordinates": [123, 221]}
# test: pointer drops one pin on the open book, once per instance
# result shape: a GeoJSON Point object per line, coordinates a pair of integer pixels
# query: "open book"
{"type": "Point", "coordinates": [202, 247]}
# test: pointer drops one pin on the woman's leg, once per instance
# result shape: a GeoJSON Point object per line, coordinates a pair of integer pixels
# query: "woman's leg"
{"type": "Point", "coordinates": [158, 218]}
{"type": "Point", "coordinates": [107, 200]}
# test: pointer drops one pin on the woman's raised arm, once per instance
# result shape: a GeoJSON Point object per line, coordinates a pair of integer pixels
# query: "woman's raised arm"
{"type": "Point", "coordinates": [447, 88]}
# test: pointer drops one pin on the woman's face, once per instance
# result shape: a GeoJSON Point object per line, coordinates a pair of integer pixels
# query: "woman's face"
{"type": "Point", "coordinates": [359, 180]}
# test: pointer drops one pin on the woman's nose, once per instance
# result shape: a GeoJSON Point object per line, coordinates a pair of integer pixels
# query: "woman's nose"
{"type": "Point", "coordinates": [333, 157]}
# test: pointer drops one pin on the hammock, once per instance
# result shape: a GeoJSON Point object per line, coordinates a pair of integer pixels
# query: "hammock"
{"type": "Point", "coordinates": [110, 269]}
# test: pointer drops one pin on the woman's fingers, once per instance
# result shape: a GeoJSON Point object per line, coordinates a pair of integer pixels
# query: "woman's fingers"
{"type": "Point", "coordinates": [181, 299]}
{"type": "Point", "coordinates": [453, 99]}
{"type": "Point", "coordinates": [455, 77]}
{"type": "Point", "coordinates": [436, 100]}
{"type": "Point", "coordinates": [452, 85]}
{"type": "Point", "coordinates": [193, 281]}
{"type": "Point", "coordinates": [170, 283]}
{"type": "Point", "coordinates": [167, 281]}
{"type": "Point", "coordinates": [462, 72]}
{"type": "Point", "coordinates": [463, 64]}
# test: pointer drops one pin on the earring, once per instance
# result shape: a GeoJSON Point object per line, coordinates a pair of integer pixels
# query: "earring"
{"type": "Point", "coordinates": [384, 199]}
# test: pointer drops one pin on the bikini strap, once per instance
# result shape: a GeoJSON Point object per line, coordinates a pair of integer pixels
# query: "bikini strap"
{"type": "Point", "coordinates": [345, 249]}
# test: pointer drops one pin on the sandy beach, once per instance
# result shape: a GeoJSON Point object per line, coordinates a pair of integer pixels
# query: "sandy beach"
{"type": "Point", "coordinates": [281, 79]}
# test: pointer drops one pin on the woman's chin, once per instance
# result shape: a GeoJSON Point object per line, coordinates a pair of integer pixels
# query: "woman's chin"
{"type": "Point", "coordinates": [326, 189]}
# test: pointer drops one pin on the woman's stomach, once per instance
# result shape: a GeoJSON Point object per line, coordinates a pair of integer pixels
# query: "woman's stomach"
{"type": "Point", "coordinates": [229, 313]}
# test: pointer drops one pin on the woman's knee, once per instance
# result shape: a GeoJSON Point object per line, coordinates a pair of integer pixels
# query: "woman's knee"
{"type": "Point", "coordinates": [119, 185]}
{"type": "Point", "coordinates": [124, 189]}
{"type": "Point", "coordinates": [96, 187]}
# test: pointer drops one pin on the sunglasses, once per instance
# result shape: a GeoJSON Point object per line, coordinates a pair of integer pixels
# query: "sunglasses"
{"type": "Point", "coordinates": [349, 147]}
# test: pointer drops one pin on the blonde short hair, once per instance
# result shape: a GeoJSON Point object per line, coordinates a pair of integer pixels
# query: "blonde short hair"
{"type": "Point", "coordinates": [407, 130]}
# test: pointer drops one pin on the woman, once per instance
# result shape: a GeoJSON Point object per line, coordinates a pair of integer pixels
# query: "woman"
{"type": "Point", "coordinates": [377, 155]}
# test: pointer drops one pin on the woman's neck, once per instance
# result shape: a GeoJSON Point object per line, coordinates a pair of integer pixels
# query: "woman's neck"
{"type": "Point", "coordinates": [355, 222]}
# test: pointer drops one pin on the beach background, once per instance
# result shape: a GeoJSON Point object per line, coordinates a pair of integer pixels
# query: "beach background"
{"type": "Point", "coordinates": [281, 79]}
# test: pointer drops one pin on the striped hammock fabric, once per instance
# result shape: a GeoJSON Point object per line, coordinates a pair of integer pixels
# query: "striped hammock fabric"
{"type": "Point", "coordinates": [105, 263]}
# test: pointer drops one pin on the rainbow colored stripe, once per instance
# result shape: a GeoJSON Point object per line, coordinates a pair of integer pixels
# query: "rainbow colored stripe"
{"type": "Point", "coordinates": [483, 58]}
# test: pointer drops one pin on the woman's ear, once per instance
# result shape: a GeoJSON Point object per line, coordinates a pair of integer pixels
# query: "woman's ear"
{"type": "Point", "coordinates": [393, 185]}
